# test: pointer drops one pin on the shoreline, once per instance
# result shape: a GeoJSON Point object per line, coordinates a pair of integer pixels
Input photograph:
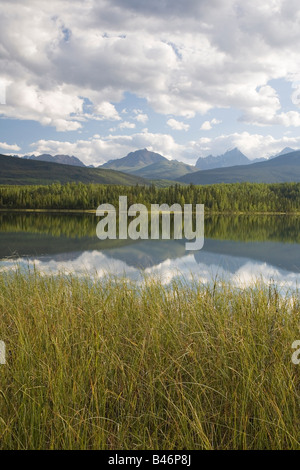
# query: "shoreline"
{"type": "Point", "coordinates": [93, 211]}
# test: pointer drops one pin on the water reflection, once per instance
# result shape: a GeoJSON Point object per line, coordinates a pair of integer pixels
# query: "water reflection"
{"type": "Point", "coordinates": [238, 249]}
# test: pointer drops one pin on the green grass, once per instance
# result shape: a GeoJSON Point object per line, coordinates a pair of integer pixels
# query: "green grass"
{"type": "Point", "coordinates": [111, 365]}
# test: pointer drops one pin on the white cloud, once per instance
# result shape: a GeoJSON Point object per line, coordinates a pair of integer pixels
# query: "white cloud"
{"type": "Point", "coordinates": [50, 107]}
{"type": "Point", "coordinates": [252, 145]}
{"type": "Point", "coordinates": [265, 111]}
{"type": "Point", "coordinates": [10, 147]}
{"type": "Point", "coordinates": [288, 119]}
{"type": "Point", "coordinates": [96, 151]}
{"type": "Point", "coordinates": [127, 125]}
{"type": "Point", "coordinates": [177, 125]}
{"type": "Point", "coordinates": [182, 57]}
{"type": "Point", "coordinates": [142, 117]}
{"type": "Point", "coordinates": [106, 111]}
{"type": "Point", "coordinates": [207, 125]}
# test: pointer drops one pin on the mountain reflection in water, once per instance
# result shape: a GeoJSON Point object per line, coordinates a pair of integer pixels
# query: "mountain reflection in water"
{"type": "Point", "coordinates": [236, 248]}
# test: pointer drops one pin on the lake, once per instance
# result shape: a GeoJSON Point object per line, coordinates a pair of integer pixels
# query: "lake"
{"type": "Point", "coordinates": [237, 248]}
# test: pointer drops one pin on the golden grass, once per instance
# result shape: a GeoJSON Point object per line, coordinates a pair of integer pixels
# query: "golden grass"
{"type": "Point", "coordinates": [113, 365]}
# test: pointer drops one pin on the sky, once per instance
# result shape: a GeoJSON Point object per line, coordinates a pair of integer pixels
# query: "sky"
{"type": "Point", "coordinates": [185, 78]}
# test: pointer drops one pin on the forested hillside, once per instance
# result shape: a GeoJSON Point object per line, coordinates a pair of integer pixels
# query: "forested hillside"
{"type": "Point", "coordinates": [281, 169]}
{"type": "Point", "coordinates": [239, 197]}
{"type": "Point", "coordinates": [18, 171]}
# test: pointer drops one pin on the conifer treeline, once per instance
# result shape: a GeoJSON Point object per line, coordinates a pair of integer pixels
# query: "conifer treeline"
{"type": "Point", "coordinates": [237, 197]}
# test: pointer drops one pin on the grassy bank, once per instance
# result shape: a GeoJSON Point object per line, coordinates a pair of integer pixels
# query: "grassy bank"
{"type": "Point", "coordinates": [110, 365]}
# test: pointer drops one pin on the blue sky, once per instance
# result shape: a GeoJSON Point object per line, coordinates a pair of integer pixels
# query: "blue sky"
{"type": "Point", "coordinates": [98, 79]}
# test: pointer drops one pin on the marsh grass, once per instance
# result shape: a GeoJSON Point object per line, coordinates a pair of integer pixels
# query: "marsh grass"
{"type": "Point", "coordinates": [106, 364]}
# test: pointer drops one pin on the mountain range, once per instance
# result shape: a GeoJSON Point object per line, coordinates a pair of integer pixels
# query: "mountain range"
{"type": "Point", "coordinates": [279, 169]}
{"type": "Point", "coordinates": [232, 166]}
{"type": "Point", "coordinates": [143, 166]}
{"type": "Point", "coordinates": [230, 158]}
{"type": "Point", "coordinates": [63, 159]}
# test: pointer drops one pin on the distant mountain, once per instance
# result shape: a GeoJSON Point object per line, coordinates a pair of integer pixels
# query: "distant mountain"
{"type": "Point", "coordinates": [285, 168]}
{"type": "Point", "coordinates": [63, 159]}
{"type": "Point", "coordinates": [134, 161]}
{"type": "Point", "coordinates": [284, 152]}
{"type": "Point", "coordinates": [149, 165]}
{"type": "Point", "coordinates": [22, 171]}
{"type": "Point", "coordinates": [230, 158]}
{"type": "Point", "coordinates": [168, 169]}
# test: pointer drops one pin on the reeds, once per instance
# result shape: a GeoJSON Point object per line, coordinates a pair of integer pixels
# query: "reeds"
{"type": "Point", "coordinates": [107, 364]}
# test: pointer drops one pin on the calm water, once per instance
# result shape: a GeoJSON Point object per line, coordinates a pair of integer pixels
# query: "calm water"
{"type": "Point", "coordinates": [236, 248]}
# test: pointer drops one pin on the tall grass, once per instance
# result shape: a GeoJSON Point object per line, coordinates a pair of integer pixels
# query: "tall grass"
{"type": "Point", "coordinates": [113, 365]}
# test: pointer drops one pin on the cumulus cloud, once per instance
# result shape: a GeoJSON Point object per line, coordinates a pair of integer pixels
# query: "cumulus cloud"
{"type": "Point", "coordinates": [252, 145]}
{"type": "Point", "coordinates": [141, 117]}
{"type": "Point", "coordinates": [178, 125]}
{"type": "Point", "coordinates": [106, 111]}
{"type": "Point", "coordinates": [184, 58]}
{"type": "Point", "coordinates": [50, 107]}
{"type": "Point", "coordinates": [98, 150]}
{"type": "Point", "coordinates": [207, 125]}
{"type": "Point", "coordinates": [10, 147]}
{"type": "Point", "coordinates": [127, 125]}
